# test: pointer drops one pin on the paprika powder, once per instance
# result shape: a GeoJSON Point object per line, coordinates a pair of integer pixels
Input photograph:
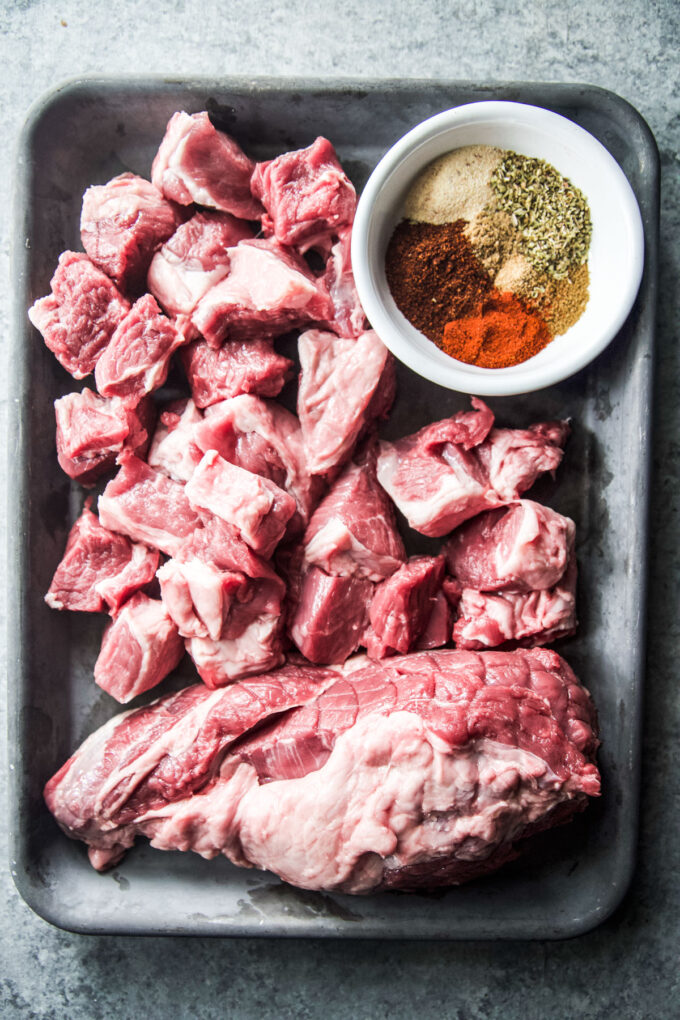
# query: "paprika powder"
{"type": "Point", "coordinates": [501, 333]}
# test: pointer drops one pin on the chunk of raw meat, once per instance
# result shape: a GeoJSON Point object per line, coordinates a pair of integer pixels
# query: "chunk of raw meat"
{"type": "Point", "coordinates": [349, 318]}
{"type": "Point", "coordinates": [173, 450]}
{"type": "Point", "coordinates": [331, 615]}
{"type": "Point", "coordinates": [255, 650]}
{"type": "Point", "coordinates": [159, 754]}
{"type": "Point", "coordinates": [353, 530]}
{"type": "Point", "coordinates": [139, 648]}
{"type": "Point", "coordinates": [487, 620]}
{"type": "Point", "coordinates": [519, 548]}
{"type": "Point", "coordinates": [402, 606]}
{"type": "Point", "coordinates": [198, 595]}
{"type": "Point", "coordinates": [239, 366]}
{"type": "Point", "coordinates": [193, 260]}
{"type": "Point", "coordinates": [91, 431]}
{"type": "Point", "coordinates": [147, 506]}
{"type": "Point", "coordinates": [262, 437]}
{"type": "Point", "coordinates": [197, 163]}
{"type": "Point", "coordinates": [138, 358]}
{"type": "Point", "coordinates": [122, 223]}
{"type": "Point", "coordinates": [269, 290]}
{"type": "Point", "coordinates": [456, 468]}
{"type": "Point", "coordinates": [79, 317]}
{"type": "Point", "coordinates": [258, 508]}
{"type": "Point", "coordinates": [99, 568]}
{"type": "Point", "coordinates": [345, 384]}
{"type": "Point", "coordinates": [307, 195]}
{"type": "Point", "coordinates": [423, 770]}
{"type": "Point", "coordinates": [437, 633]}
{"type": "Point", "coordinates": [227, 598]}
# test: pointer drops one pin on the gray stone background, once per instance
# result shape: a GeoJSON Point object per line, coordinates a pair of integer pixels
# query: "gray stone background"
{"type": "Point", "coordinates": [630, 966]}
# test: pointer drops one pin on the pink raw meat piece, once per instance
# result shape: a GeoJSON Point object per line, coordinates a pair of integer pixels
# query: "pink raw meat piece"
{"type": "Point", "coordinates": [139, 648]}
{"type": "Point", "coordinates": [147, 506]}
{"type": "Point", "coordinates": [256, 649]}
{"type": "Point", "coordinates": [92, 430]}
{"type": "Point", "coordinates": [345, 384]}
{"type": "Point", "coordinates": [349, 318]}
{"type": "Point", "coordinates": [269, 290]}
{"type": "Point", "coordinates": [456, 468]}
{"type": "Point", "coordinates": [79, 317]}
{"type": "Point", "coordinates": [439, 627]}
{"type": "Point", "coordinates": [353, 530]}
{"type": "Point", "coordinates": [138, 358]}
{"type": "Point", "coordinates": [519, 548]}
{"type": "Point", "coordinates": [422, 770]}
{"type": "Point", "coordinates": [239, 366]}
{"type": "Point", "coordinates": [258, 508]}
{"type": "Point", "coordinates": [122, 223]}
{"type": "Point", "coordinates": [307, 195]}
{"type": "Point", "coordinates": [197, 163]}
{"type": "Point", "coordinates": [263, 437]}
{"type": "Point", "coordinates": [402, 606]}
{"type": "Point", "coordinates": [173, 450]}
{"type": "Point", "coordinates": [194, 259]}
{"type": "Point", "coordinates": [139, 774]}
{"type": "Point", "coordinates": [331, 615]}
{"type": "Point", "coordinates": [98, 567]}
{"type": "Point", "coordinates": [198, 595]}
{"type": "Point", "coordinates": [487, 620]}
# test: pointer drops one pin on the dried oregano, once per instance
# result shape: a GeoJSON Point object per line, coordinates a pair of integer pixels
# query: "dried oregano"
{"type": "Point", "coordinates": [551, 215]}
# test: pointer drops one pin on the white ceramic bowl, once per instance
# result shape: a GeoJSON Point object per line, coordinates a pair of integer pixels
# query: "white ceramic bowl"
{"type": "Point", "coordinates": [616, 252]}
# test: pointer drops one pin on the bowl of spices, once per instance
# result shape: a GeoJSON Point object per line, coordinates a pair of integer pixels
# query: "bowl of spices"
{"type": "Point", "coordinates": [497, 248]}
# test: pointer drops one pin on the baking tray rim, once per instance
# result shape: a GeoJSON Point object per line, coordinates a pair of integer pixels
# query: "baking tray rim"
{"type": "Point", "coordinates": [39, 899]}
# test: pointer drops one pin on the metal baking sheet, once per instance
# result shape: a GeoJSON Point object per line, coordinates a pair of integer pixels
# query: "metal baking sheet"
{"type": "Point", "coordinates": [574, 877]}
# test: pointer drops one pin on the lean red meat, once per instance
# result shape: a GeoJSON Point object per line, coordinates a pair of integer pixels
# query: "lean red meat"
{"type": "Point", "coordinates": [79, 317]}
{"type": "Point", "coordinates": [423, 770]}
{"type": "Point", "coordinates": [456, 468]}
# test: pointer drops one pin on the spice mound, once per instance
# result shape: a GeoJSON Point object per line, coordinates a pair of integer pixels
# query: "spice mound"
{"type": "Point", "coordinates": [490, 261]}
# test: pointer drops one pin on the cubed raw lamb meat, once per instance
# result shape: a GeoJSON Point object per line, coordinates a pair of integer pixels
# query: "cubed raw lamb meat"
{"type": "Point", "coordinates": [250, 635]}
{"type": "Point", "coordinates": [198, 595]}
{"type": "Point", "coordinates": [193, 260]}
{"type": "Point", "coordinates": [258, 508]}
{"type": "Point", "coordinates": [197, 163]}
{"type": "Point", "coordinates": [402, 606]}
{"type": "Point", "coordinates": [490, 619]}
{"type": "Point", "coordinates": [239, 366]}
{"type": "Point", "coordinates": [92, 430]}
{"type": "Point", "coordinates": [263, 437]}
{"type": "Point", "coordinates": [422, 770]}
{"type": "Point", "coordinates": [353, 530]}
{"type": "Point", "coordinates": [139, 648]}
{"type": "Point", "coordinates": [269, 290]}
{"type": "Point", "coordinates": [122, 224]}
{"type": "Point", "coordinates": [437, 633]}
{"type": "Point", "coordinates": [307, 195]}
{"type": "Point", "coordinates": [99, 568]}
{"type": "Point", "coordinates": [349, 318]}
{"type": "Point", "coordinates": [331, 615]}
{"type": "Point", "coordinates": [148, 506]}
{"type": "Point", "coordinates": [256, 649]}
{"type": "Point", "coordinates": [79, 317]}
{"type": "Point", "coordinates": [138, 357]}
{"type": "Point", "coordinates": [519, 548]}
{"type": "Point", "coordinates": [457, 468]}
{"type": "Point", "coordinates": [173, 450]}
{"type": "Point", "coordinates": [345, 384]}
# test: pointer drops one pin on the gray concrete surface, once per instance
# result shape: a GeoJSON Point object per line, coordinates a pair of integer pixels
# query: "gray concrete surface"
{"type": "Point", "coordinates": [630, 966]}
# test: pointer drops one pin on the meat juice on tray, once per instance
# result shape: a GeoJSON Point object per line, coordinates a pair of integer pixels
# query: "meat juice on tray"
{"type": "Point", "coordinates": [265, 545]}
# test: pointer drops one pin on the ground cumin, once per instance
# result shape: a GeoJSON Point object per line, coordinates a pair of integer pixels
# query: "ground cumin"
{"type": "Point", "coordinates": [433, 274]}
{"type": "Point", "coordinates": [501, 332]}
